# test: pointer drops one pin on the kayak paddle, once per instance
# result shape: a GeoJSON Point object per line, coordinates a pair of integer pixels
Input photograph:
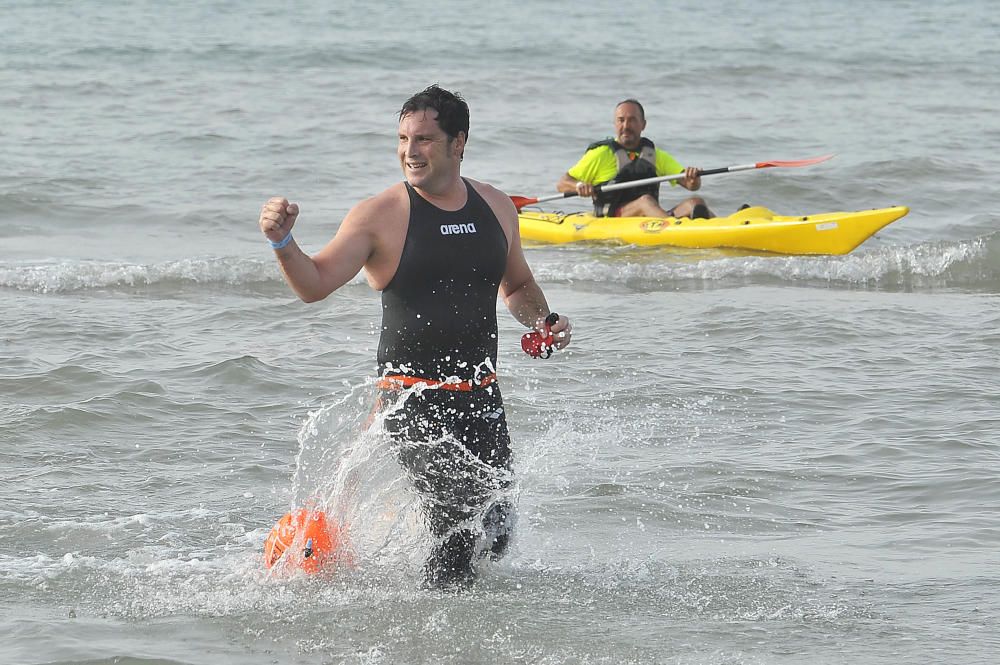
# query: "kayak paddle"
{"type": "Point", "coordinates": [521, 201]}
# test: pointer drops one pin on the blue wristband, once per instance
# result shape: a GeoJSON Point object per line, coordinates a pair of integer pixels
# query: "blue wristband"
{"type": "Point", "coordinates": [281, 244]}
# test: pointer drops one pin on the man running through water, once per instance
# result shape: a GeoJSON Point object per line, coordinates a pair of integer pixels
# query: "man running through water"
{"type": "Point", "coordinates": [439, 247]}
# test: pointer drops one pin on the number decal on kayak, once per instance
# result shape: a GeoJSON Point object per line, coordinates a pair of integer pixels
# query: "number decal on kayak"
{"type": "Point", "coordinates": [826, 226]}
{"type": "Point", "coordinates": [652, 225]}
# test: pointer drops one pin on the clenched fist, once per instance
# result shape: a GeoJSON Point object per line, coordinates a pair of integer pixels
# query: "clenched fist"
{"type": "Point", "coordinates": [277, 218]}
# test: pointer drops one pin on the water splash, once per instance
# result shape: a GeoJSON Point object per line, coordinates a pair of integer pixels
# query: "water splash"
{"type": "Point", "coordinates": [350, 466]}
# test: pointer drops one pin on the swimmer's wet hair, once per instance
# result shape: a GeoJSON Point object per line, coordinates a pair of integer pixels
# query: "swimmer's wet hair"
{"type": "Point", "coordinates": [453, 112]}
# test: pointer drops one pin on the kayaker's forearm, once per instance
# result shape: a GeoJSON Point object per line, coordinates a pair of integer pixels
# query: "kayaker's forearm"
{"type": "Point", "coordinates": [569, 184]}
{"type": "Point", "coordinates": [566, 184]}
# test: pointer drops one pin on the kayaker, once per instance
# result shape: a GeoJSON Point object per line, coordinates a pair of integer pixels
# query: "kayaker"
{"type": "Point", "coordinates": [630, 156]}
{"type": "Point", "coordinates": [439, 247]}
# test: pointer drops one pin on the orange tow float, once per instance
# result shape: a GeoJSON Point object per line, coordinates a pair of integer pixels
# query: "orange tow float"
{"type": "Point", "coordinates": [307, 540]}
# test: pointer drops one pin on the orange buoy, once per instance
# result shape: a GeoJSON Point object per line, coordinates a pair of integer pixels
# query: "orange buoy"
{"type": "Point", "coordinates": [305, 539]}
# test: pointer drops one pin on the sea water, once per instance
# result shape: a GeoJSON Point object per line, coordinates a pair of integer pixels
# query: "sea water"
{"type": "Point", "coordinates": [741, 458]}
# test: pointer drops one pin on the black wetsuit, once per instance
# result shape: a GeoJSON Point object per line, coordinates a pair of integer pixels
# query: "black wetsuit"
{"type": "Point", "coordinates": [439, 323]}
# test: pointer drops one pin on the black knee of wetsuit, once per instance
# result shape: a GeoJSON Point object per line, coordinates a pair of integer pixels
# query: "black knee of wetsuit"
{"type": "Point", "coordinates": [497, 525]}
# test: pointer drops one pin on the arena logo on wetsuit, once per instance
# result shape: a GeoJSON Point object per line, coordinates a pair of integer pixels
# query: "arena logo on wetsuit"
{"type": "Point", "coordinates": [451, 229]}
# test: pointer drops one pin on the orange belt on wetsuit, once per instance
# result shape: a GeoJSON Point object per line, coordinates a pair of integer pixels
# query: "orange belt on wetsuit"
{"type": "Point", "coordinates": [400, 381]}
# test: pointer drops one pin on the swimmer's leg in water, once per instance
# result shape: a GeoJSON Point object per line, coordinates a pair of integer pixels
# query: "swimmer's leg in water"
{"type": "Point", "coordinates": [456, 450]}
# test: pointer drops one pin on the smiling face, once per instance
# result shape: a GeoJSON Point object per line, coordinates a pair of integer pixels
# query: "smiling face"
{"type": "Point", "coordinates": [629, 123]}
{"type": "Point", "coordinates": [430, 159]}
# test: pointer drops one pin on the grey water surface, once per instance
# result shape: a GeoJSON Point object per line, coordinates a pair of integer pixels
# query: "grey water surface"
{"type": "Point", "coordinates": [742, 458]}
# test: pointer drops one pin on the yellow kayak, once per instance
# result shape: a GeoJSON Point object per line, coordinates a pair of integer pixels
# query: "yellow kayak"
{"type": "Point", "coordinates": [755, 228]}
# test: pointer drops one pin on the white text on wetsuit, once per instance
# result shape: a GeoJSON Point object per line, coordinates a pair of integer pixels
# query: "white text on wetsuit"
{"type": "Point", "coordinates": [449, 229]}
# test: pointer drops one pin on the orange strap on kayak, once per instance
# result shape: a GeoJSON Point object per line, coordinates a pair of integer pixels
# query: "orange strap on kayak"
{"type": "Point", "coordinates": [400, 381]}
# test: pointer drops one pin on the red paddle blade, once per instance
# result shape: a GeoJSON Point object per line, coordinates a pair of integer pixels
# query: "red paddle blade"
{"type": "Point", "coordinates": [795, 162]}
{"type": "Point", "coordinates": [521, 201]}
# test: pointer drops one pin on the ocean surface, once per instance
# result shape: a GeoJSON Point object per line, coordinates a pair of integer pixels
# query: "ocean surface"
{"type": "Point", "coordinates": [742, 458]}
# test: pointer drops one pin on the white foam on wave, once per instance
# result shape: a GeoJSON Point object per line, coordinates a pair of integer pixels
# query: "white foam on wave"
{"type": "Point", "coordinates": [616, 265]}
{"type": "Point", "coordinates": [881, 265]}
{"type": "Point", "coordinates": [71, 276]}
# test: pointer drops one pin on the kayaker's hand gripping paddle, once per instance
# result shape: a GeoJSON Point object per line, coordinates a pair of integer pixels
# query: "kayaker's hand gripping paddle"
{"type": "Point", "coordinates": [539, 345]}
